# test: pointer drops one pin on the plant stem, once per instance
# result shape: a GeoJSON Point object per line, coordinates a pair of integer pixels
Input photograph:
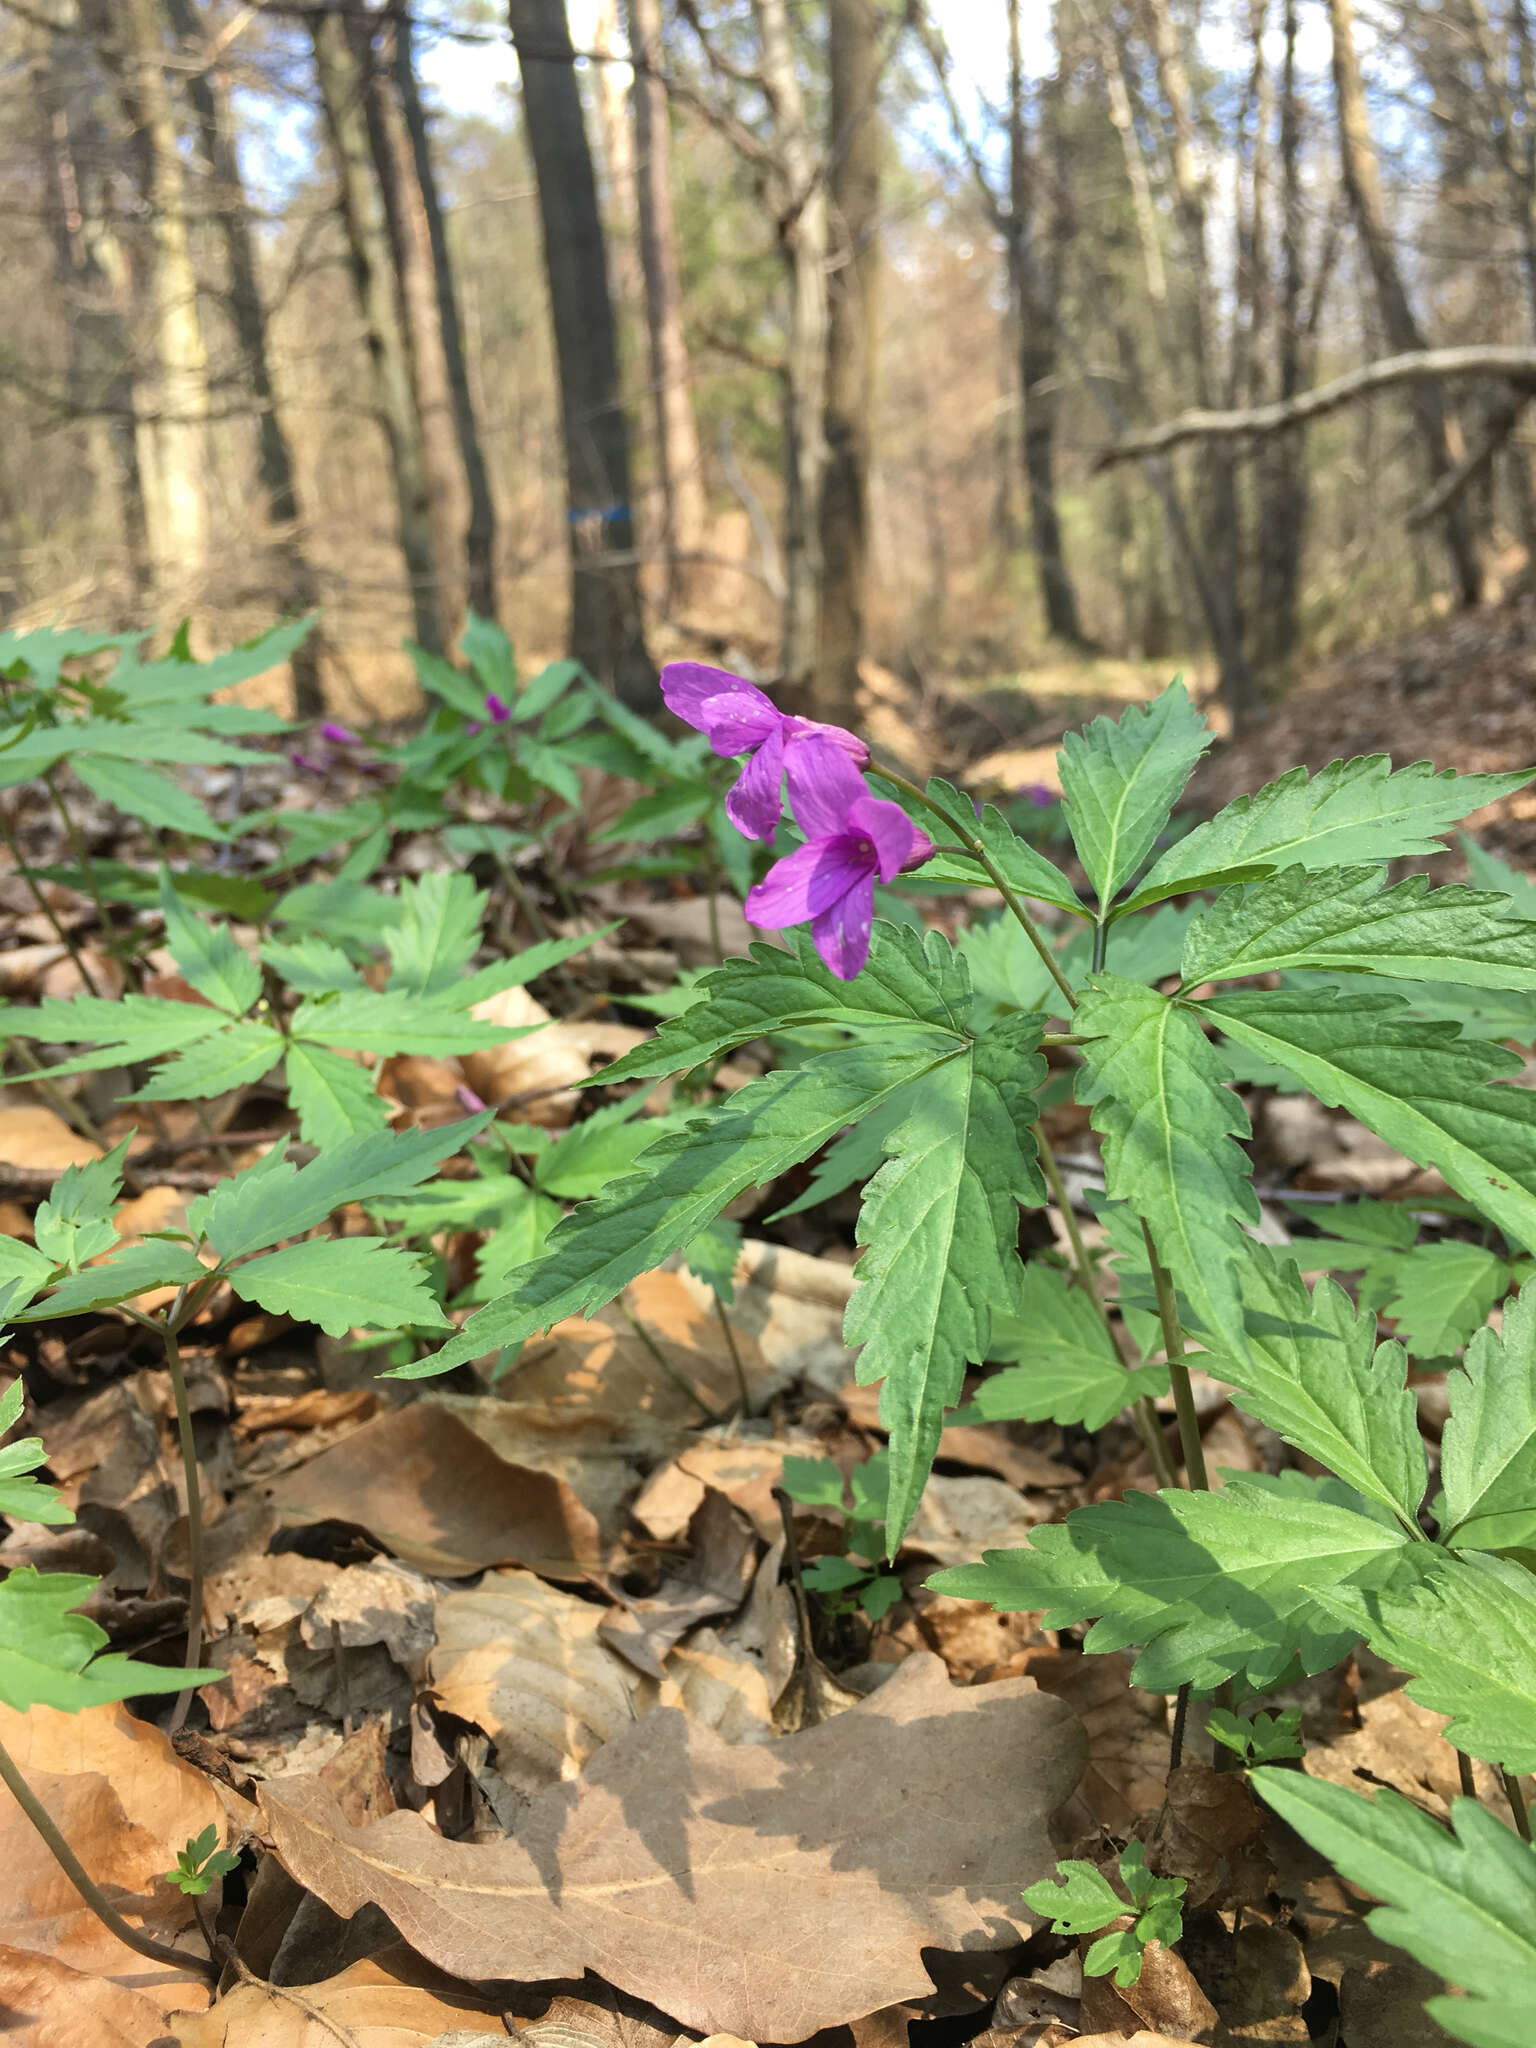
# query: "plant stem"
{"type": "Point", "coordinates": [814, 1708]}
{"type": "Point", "coordinates": [973, 845]}
{"type": "Point", "coordinates": [8, 834]}
{"type": "Point", "coordinates": [730, 1345]}
{"type": "Point", "coordinates": [1464, 1774]}
{"type": "Point", "coordinates": [679, 1380]}
{"type": "Point", "coordinates": [1176, 1732]}
{"type": "Point", "coordinates": [194, 1511]}
{"type": "Point", "coordinates": [74, 1870]}
{"type": "Point", "coordinates": [1514, 1792]}
{"type": "Point", "coordinates": [1100, 946]}
{"type": "Point", "coordinates": [1178, 1372]}
{"type": "Point", "coordinates": [87, 867]}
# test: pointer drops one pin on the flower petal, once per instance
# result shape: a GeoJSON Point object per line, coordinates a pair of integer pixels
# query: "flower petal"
{"type": "Point", "coordinates": [850, 743]}
{"type": "Point", "coordinates": [754, 803]}
{"type": "Point", "coordinates": [809, 881]}
{"type": "Point", "coordinates": [687, 686]}
{"type": "Point", "coordinates": [841, 933]}
{"type": "Point", "coordinates": [824, 785]}
{"type": "Point", "coordinates": [890, 832]}
{"type": "Point", "coordinates": [735, 722]}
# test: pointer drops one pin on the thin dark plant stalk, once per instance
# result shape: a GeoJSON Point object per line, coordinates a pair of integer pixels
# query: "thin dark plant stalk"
{"type": "Point", "coordinates": [1195, 1473]}
{"type": "Point", "coordinates": [736, 1361]}
{"type": "Point", "coordinates": [8, 834]}
{"type": "Point", "coordinates": [1514, 1792]}
{"type": "Point", "coordinates": [1464, 1774]}
{"type": "Point", "coordinates": [141, 1944]}
{"type": "Point", "coordinates": [679, 1380]}
{"type": "Point", "coordinates": [87, 866]}
{"type": "Point", "coordinates": [973, 845]}
{"type": "Point", "coordinates": [194, 1511]}
{"type": "Point", "coordinates": [1176, 1732]}
{"type": "Point", "coordinates": [815, 1709]}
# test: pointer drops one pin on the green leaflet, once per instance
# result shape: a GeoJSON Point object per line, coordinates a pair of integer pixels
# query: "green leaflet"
{"type": "Point", "coordinates": [1418, 1084]}
{"type": "Point", "coordinates": [241, 1052]}
{"type": "Point", "coordinates": [1438, 1294]}
{"type": "Point", "coordinates": [1464, 1904]}
{"type": "Point", "coordinates": [48, 1654]}
{"type": "Point", "coordinates": [1489, 872]}
{"type": "Point", "coordinates": [1156, 1087]}
{"type": "Point", "coordinates": [208, 956]}
{"type": "Point", "coordinates": [601, 1148]}
{"type": "Point", "coordinates": [366, 1020]}
{"type": "Point", "coordinates": [712, 1257]}
{"type": "Point", "coordinates": [341, 1283]}
{"type": "Point", "coordinates": [1208, 1582]}
{"type": "Point", "coordinates": [437, 935]}
{"type": "Point", "coordinates": [333, 1098]}
{"type": "Point", "coordinates": [1325, 1385]}
{"type": "Point", "coordinates": [1488, 1449]}
{"type": "Point", "coordinates": [1120, 779]}
{"type": "Point", "coordinates": [75, 1223]}
{"type": "Point", "coordinates": [28, 1499]}
{"type": "Point", "coordinates": [311, 965]}
{"type": "Point", "coordinates": [142, 792]}
{"type": "Point", "coordinates": [849, 1160]}
{"type": "Point", "coordinates": [1343, 919]}
{"type": "Point", "coordinates": [522, 968]}
{"type": "Point", "coordinates": [1069, 1369]}
{"type": "Point", "coordinates": [684, 1181]}
{"type": "Point", "coordinates": [137, 1268]}
{"type": "Point", "coordinates": [133, 1028]}
{"type": "Point", "coordinates": [1467, 1631]}
{"type": "Point", "coordinates": [1027, 872]}
{"type": "Point", "coordinates": [1349, 811]}
{"type": "Point", "coordinates": [913, 979]}
{"type": "Point", "coordinates": [940, 1225]}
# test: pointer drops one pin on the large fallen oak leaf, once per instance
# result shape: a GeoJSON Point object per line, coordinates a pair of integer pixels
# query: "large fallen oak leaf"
{"type": "Point", "coordinates": [761, 1890]}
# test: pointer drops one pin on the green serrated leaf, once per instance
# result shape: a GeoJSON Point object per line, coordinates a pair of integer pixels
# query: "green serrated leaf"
{"type": "Point", "coordinates": [75, 1222]}
{"type": "Point", "coordinates": [240, 1054]}
{"type": "Point", "coordinates": [521, 968]}
{"type": "Point", "coordinates": [131, 1029]}
{"type": "Point", "coordinates": [153, 1262]}
{"type": "Point", "coordinates": [913, 980]}
{"type": "Point", "coordinates": [341, 1283]}
{"type": "Point", "coordinates": [712, 1257]}
{"type": "Point", "coordinates": [1156, 1089]}
{"type": "Point", "coordinates": [814, 1482]}
{"type": "Point", "coordinates": [1349, 811]}
{"type": "Point", "coordinates": [1070, 1370]}
{"type": "Point", "coordinates": [684, 1181]}
{"type": "Point", "coordinates": [1025, 870]}
{"type": "Point", "coordinates": [1342, 919]}
{"type": "Point", "coordinates": [1120, 779]}
{"type": "Point", "coordinates": [1418, 1084]}
{"type": "Point", "coordinates": [437, 934]}
{"type": "Point", "coordinates": [208, 955]}
{"type": "Point", "coordinates": [1488, 1448]}
{"type": "Point", "coordinates": [1463, 1904]}
{"type": "Point", "coordinates": [366, 1020]}
{"type": "Point", "coordinates": [1438, 1294]}
{"type": "Point", "coordinates": [518, 1237]}
{"type": "Point", "coordinates": [28, 1499]}
{"type": "Point", "coordinates": [48, 1654]}
{"type": "Point", "coordinates": [850, 1160]}
{"type": "Point", "coordinates": [1313, 1371]}
{"type": "Point", "coordinates": [141, 792]}
{"type": "Point", "coordinates": [598, 1150]}
{"type": "Point", "coordinates": [1079, 1900]}
{"type": "Point", "coordinates": [1210, 1583]}
{"type": "Point", "coordinates": [940, 1225]}
{"type": "Point", "coordinates": [312, 965]}
{"type": "Point", "coordinates": [1489, 872]}
{"type": "Point", "coordinates": [333, 1098]}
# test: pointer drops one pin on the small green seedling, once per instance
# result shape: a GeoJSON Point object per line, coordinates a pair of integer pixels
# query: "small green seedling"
{"type": "Point", "coordinates": [857, 1578]}
{"type": "Point", "coordinates": [1084, 1900]}
{"type": "Point", "coordinates": [199, 1863]}
{"type": "Point", "coordinates": [1266, 1739]}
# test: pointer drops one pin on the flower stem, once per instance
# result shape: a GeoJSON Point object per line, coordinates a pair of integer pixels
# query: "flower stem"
{"type": "Point", "coordinates": [142, 1944]}
{"type": "Point", "coordinates": [1514, 1791]}
{"type": "Point", "coordinates": [1195, 1473]}
{"type": "Point", "coordinates": [973, 845]}
{"type": "Point", "coordinates": [734, 1350]}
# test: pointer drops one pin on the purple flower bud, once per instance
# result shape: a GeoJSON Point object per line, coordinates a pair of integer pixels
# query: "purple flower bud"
{"type": "Point", "coordinates": [468, 1099]}
{"type": "Point", "coordinates": [304, 764]}
{"type": "Point", "coordinates": [499, 713]}
{"type": "Point", "coordinates": [339, 735]}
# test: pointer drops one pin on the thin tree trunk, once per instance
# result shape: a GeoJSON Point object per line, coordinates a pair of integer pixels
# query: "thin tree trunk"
{"type": "Point", "coordinates": [174, 451]}
{"type": "Point", "coordinates": [342, 94]}
{"type": "Point", "coordinates": [802, 230]}
{"type": "Point", "coordinates": [606, 632]}
{"type": "Point", "coordinates": [299, 591]}
{"type": "Point", "coordinates": [855, 144]}
{"type": "Point", "coordinates": [480, 533]}
{"type": "Point", "coordinates": [679, 466]}
{"type": "Point", "coordinates": [1362, 182]}
{"type": "Point", "coordinates": [1283, 487]}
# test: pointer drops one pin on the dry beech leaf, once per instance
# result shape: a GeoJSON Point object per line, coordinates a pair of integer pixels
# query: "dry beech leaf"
{"type": "Point", "coordinates": [126, 1803]}
{"type": "Point", "coordinates": [1210, 1831]}
{"type": "Point", "coordinates": [373, 2004]}
{"type": "Point", "coordinates": [46, 2004]}
{"type": "Point", "coordinates": [555, 1057]}
{"type": "Point", "coordinates": [1401, 1744]}
{"type": "Point", "coordinates": [705, 1877]}
{"type": "Point", "coordinates": [789, 1304]}
{"type": "Point", "coordinates": [439, 1498]}
{"type": "Point", "coordinates": [1127, 1731]}
{"type": "Point", "coordinates": [33, 1137]}
{"type": "Point", "coordinates": [957, 1519]}
{"type": "Point", "coordinates": [989, 1450]}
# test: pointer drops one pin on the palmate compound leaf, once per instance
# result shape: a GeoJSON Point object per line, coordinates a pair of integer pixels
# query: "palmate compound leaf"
{"type": "Point", "coordinates": [48, 1653]}
{"type": "Point", "coordinates": [912, 981]}
{"type": "Point", "coordinates": [333, 1098]}
{"type": "Point", "coordinates": [940, 1227]}
{"type": "Point", "coordinates": [1467, 1631]}
{"type": "Point", "coordinates": [1416, 1083]}
{"type": "Point", "coordinates": [1209, 1583]}
{"type": "Point", "coordinates": [437, 933]}
{"type": "Point", "coordinates": [1120, 779]}
{"type": "Point", "coordinates": [685, 1180]}
{"type": "Point", "coordinates": [1156, 1088]}
{"type": "Point", "coordinates": [1464, 1903]}
{"type": "Point", "coordinates": [28, 1499]}
{"type": "Point", "coordinates": [1347, 812]}
{"type": "Point", "coordinates": [1313, 1371]}
{"type": "Point", "coordinates": [1344, 919]}
{"type": "Point", "coordinates": [132, 1028]}
{"type": "Point", "coordinates": [75, 1223]}
{"type": "Point", "coordinates": [342, 1283]}
{"type": "Point", "coordinates": [1025, 869]}
{"type": "Point", "coordinates": [1488, 1449]}
{"type": "Point", "coordinates": [1068, 1369]}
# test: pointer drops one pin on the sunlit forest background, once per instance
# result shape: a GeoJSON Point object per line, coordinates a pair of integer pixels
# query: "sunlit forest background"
{"type": "Point", "coordinates": [798, 335]}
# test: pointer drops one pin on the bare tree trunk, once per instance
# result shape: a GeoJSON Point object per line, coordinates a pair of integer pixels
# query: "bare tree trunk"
{"type": "Point", "coordinates": [606, 631]}
{"type": "Point", "coordinates": [368, 246]}
{"type": "Point", "coordinates": [802, 229]}
{"type": "Point", "coordinates": [855, 145]}
{"type": "Point", "coordinates": [174, 451]}
{"type": "Point", "coordinates": [480, 533]}
{"type": "Point", "coordinates": [1283, 486]}
{"type": "Point", "coordinates": [1362, 182]}
{"type": "Point", "coordinates": [679, 464]}
{"type": "Point", "coordinates": [299, 590]}
{"type": "Point", "coordinates": [1035, 288]}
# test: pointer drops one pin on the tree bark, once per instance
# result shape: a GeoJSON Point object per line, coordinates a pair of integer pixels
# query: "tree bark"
{"type": "Point", "coordinates": [1283, 487]}
{"type": "Point", "coordinates": [606, 632]}
{"type": "Point", "coordinates": [342, 92]}
{"type": "Point", "coordinates": [1362, 182]}
{"type": "Point", "coordinates": [298, 587]}
{"type": "Point", "coordinates": [855, 145]}
{"type": "Point", "coordinates": [174, 451]}
{"type": "Point", "coordinates": [679, 464]}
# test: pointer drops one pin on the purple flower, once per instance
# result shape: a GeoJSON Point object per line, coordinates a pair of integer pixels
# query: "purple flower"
{"type": "Point", "coordinates": [851, 837]}
{"type": "Point", "coordinates": [468, 1099]}
{"type": "Point", "coordinates": [304, 764]}
{"type": "Point", "coordinates": [339, 735]}
{"type": "Point", "coordinates": [1039, 795]}
{"type": "Point", "coordinates": [496, 709]}
{"type": "Point", "coordinates": [737, 718]}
